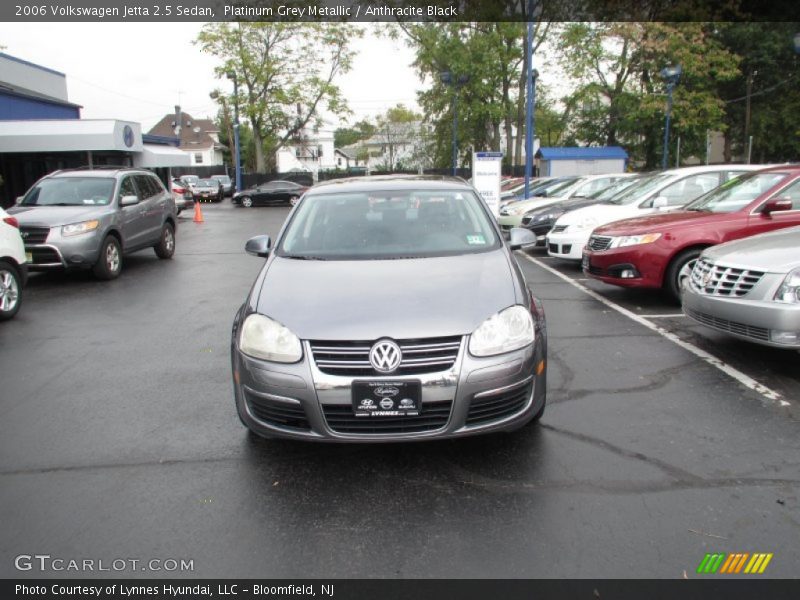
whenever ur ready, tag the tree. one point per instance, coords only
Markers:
(620, 97)
(286, 73)
(398, 127)
(492, 100)
(347, 136)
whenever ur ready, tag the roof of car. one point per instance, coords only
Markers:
(97, 172)
(389, 183)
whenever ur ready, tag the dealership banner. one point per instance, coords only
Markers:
(398, 10)
(411, 589)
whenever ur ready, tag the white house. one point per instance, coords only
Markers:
(311, 150)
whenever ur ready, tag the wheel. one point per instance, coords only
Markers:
(109, 265)
(247, 201)
(10, 290)
(293, 200)
(679, 271)
(166, 243)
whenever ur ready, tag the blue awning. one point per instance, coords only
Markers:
(575, 153)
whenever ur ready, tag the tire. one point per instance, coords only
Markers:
(166, 243)
(293, 200)
(679, 270)
(10, 290)
(109, 264)
(247, 201)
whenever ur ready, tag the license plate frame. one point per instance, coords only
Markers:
(392, 399)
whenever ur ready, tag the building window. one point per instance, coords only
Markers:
(319, 151)
(198, 158)
(297, 152)
(339, 161)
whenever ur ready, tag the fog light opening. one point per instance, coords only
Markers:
(627, 274)
(785, 337)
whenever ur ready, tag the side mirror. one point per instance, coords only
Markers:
(776, 205)
(521, 238)
(258, 246)
(19, 199)
(660, 202)
(129, 200)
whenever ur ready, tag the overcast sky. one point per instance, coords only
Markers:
(139, 71)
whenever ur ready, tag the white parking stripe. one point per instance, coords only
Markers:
(742, 378)
(675, 316)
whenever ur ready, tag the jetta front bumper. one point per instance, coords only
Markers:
(476, 395)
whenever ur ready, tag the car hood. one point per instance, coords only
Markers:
(601, 213)
(661, 222)
(51, 216)
(562, 205)
(775, 252)
(522, 206)
(401, 299)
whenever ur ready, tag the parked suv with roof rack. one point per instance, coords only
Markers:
(90, 218)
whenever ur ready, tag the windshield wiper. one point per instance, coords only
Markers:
(301, 257)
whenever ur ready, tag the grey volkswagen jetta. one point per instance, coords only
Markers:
(389, 309)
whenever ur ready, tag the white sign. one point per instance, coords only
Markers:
(486, 172)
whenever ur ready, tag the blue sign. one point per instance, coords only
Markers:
(489, 155)
(127, 136)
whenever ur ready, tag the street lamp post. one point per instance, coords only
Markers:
(670, 75)
(237, 147)
(449, 79)
(530, 82)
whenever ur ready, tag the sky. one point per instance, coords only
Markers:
(139, 72)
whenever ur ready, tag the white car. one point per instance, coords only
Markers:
(13, 267)
(665, 191)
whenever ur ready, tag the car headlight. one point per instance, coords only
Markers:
(789, 290)
(634, 240)
(510, 329)
(261, 337)
(79, 228)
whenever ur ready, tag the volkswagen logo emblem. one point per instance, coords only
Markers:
(127, 136)
(385, 356)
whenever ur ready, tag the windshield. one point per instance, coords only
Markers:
(223, 178)
(640, 189)
(70, 191)
(608, 193)
(388, 225)
(207, 183)
(736, 193)
(552, 188)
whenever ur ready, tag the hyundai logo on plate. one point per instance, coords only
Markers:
(385, 356)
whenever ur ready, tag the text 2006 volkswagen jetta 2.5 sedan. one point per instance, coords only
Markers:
(389, 309)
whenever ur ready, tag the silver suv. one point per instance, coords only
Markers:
(89, 218)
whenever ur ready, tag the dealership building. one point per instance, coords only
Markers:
(41, 131)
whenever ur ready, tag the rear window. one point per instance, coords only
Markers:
(388, 225)
(738, 192)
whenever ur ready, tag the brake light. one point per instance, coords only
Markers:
(11, 221)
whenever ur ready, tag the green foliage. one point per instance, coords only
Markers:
(286, 73)
(347, 136)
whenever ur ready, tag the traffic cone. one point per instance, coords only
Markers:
(198, 214)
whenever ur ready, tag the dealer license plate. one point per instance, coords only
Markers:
(387, 398)
(585, 261)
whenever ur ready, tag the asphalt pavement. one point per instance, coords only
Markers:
(119, 440)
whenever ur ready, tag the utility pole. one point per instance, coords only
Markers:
(750, 75)
(529, 124)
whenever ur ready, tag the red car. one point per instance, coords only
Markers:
(660, 250)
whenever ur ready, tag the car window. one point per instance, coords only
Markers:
(126, 188)
(157, 185)
(790, 193)
(640, 189)
(617, 187)
(687, 189)
(145, 186)
(737, 193)
(389, 225)
(268, 186)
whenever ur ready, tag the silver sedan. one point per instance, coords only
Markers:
(750, 288)
(389, 309)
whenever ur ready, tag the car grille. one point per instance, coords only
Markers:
(34, 235)
(44, 256)
(281, 414)
(433, 416)
(599, 242)
(718, 280)
(559, 228)
(500, 406)
(427, 355)
(757, 333)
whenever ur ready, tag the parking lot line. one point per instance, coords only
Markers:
(742, 378)
(673, 316)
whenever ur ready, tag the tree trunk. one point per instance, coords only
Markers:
(261, 163)
(521, 111)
